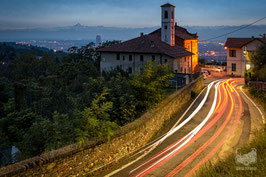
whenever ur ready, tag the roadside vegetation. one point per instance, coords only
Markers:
(230, 167)
(257, 75)
(51, 102)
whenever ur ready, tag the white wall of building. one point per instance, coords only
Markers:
(236, 60)
(109, 61)
(168, 34)
(241, 60)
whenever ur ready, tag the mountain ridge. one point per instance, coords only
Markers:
(83, 32)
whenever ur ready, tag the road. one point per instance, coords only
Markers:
(220, 120)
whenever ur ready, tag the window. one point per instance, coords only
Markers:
(166, 14)
(118, 56)
(123, 58)
(172, 14)
(129, 70)
(232, 53)
(153, 57)
(165, 27)
(165, 60)
(141, 57)
(185, 59)
(233, 67)
(130, 57)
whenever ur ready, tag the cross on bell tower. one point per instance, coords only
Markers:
(168, 24)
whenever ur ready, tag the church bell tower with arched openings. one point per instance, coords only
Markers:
(168, 24)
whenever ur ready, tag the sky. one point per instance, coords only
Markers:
(17, 14)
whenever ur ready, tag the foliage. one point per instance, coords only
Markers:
(95, 121)
(258, 59)
(258, 95)
(109, 43)
(228, 167)
(46, 104)
(123, 98)
(148, 84)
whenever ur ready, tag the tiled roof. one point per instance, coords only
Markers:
(147, 44)
(179, 32)
(240, 42)
(167, 5)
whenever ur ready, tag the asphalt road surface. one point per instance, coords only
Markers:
(221, 119)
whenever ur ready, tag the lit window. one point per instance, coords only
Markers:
(248, 66)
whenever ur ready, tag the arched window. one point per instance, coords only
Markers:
(165, 14)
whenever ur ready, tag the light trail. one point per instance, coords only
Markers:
(173, 130)
(194, 131)
(222, 141)
(199, 150)
(179, 141)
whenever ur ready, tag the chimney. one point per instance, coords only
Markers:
(141, 34)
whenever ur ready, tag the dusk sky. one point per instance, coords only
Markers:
(127, 13)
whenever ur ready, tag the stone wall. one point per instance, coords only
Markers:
(76, 160)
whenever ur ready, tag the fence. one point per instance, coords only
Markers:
(260, 85)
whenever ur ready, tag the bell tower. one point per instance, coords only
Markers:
(168, 24)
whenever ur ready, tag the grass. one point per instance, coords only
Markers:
(229, 167)
(258, 95)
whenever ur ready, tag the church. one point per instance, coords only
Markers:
(169, 44)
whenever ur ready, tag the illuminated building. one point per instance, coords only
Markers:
(238, 54)
(169, 44)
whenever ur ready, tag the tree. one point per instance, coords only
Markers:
(26, 66)
(258, 59)
(123, 99)
(148, 84)
(109, 43)
(95, 120)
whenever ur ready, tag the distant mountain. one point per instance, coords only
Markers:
(207, 32)
(81, 32)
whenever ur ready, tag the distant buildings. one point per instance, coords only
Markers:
(98, 40)
(170, 43)
(238, 54)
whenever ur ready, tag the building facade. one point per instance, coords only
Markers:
(169, 44)
(239, 51)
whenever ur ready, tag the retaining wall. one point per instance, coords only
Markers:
(80, 161)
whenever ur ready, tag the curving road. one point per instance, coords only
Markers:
(221, 119)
